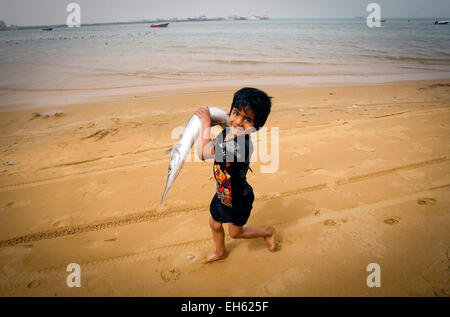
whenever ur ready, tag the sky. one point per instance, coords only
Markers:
(49, 12)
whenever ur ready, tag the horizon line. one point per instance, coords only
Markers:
(212, 19)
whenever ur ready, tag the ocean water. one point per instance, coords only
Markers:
(39, 67)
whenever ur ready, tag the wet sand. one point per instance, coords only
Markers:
(363, 177)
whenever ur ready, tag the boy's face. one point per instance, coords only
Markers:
(241, 120)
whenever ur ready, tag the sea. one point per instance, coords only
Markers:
(72, 65)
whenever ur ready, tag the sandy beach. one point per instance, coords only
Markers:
(363, 177)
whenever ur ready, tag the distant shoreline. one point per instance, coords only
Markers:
(10, 28)
(117, 23)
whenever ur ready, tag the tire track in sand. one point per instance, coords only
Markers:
(354, 179)
(177, 248)
(155, 215)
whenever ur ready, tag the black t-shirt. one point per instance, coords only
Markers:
(231, 163)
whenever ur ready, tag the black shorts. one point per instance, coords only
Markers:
(237, 216)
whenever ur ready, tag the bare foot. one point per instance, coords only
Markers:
(214, 256)
(270, 240)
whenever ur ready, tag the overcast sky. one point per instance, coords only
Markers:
(46, 12)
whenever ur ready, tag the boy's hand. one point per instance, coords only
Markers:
(203, 114)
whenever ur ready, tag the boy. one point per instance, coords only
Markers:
(231, 151)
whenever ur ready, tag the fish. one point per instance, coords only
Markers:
(187, 139)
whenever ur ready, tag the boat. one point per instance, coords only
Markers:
(441, 22)
(164, 25)
(47, 29)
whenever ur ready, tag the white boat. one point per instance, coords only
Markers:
(257, 17)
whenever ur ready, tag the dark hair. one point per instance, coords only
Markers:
(257, 100)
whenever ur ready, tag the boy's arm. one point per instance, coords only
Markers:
(205, 146)
(207, 152)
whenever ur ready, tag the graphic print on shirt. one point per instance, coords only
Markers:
(223, 182)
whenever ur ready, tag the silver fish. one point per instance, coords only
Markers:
(187, 139)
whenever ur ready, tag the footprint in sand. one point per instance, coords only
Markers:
(46, 115)
(170, 275)
(7, 205)
(426, 201)
(58, 223)
(33, 284)
(135, 124)
(278, 244)
(90, 125)
(391, 221)
(100, 134)
(329, 223)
